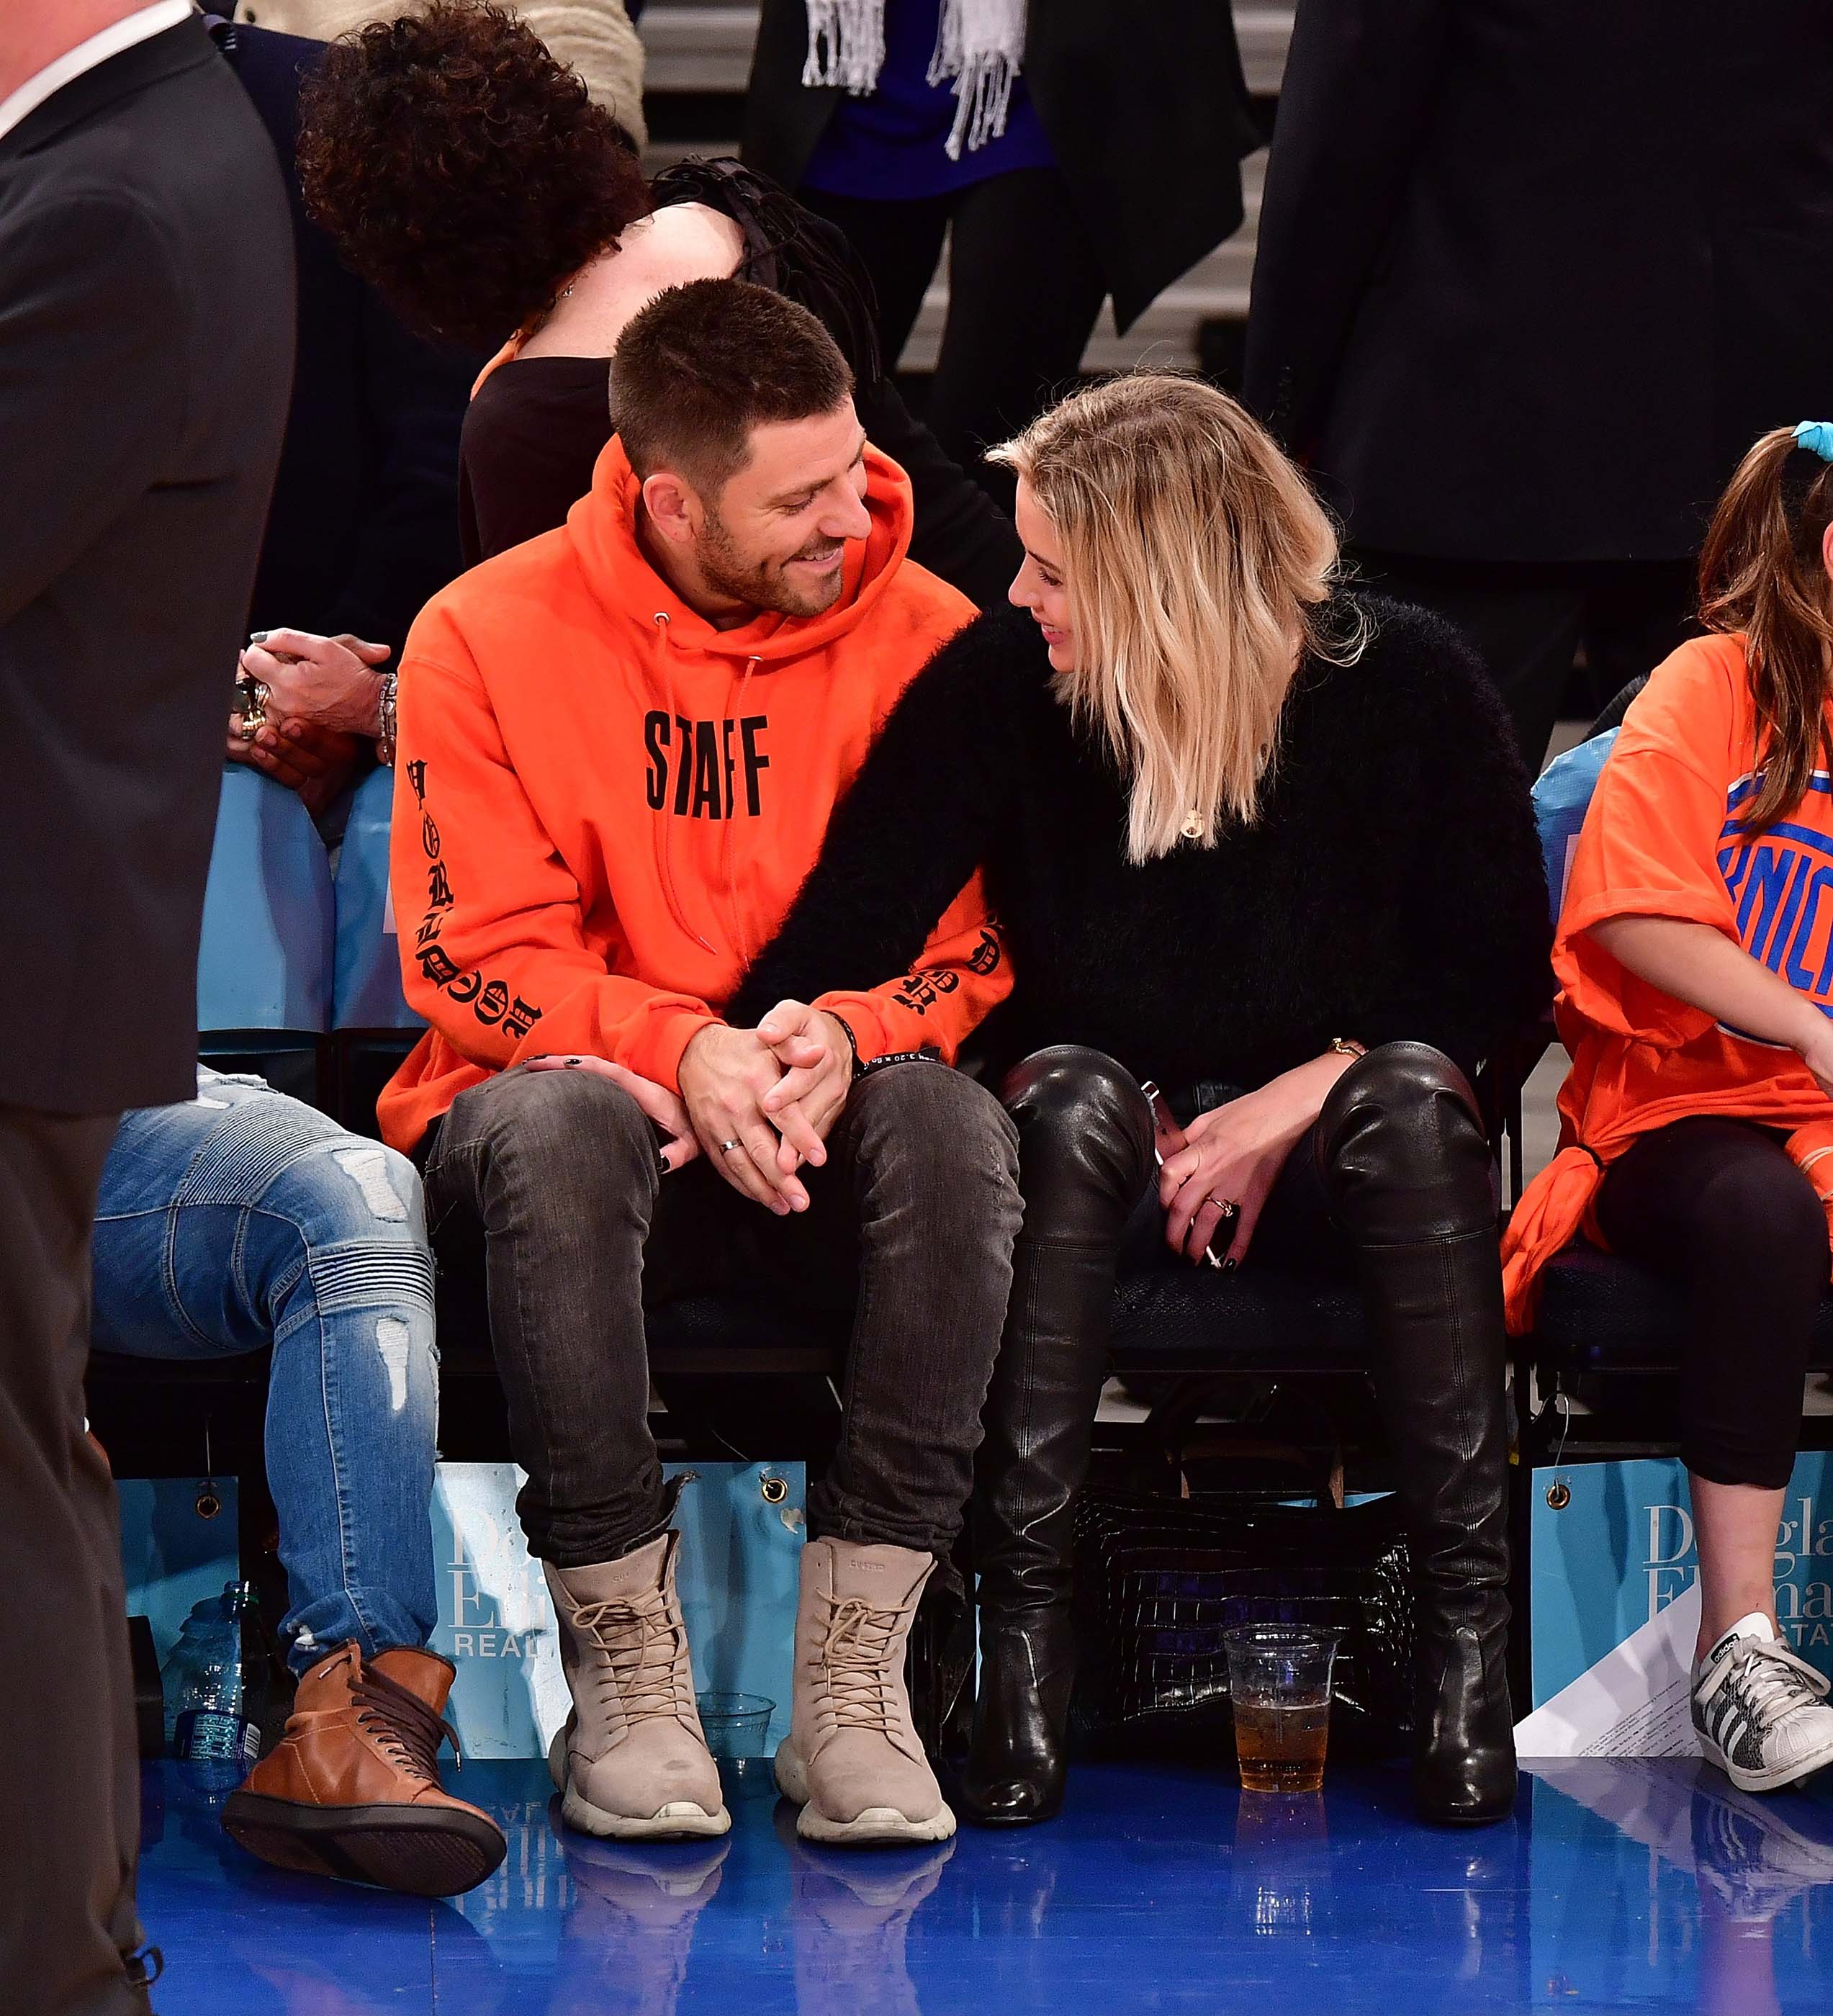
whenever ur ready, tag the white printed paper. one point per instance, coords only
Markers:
(1635, 1702)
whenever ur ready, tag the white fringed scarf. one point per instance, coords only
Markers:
(981, 45)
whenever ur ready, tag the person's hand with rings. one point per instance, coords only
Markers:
(725, 1074)
(657, 1102)
(324, 682)
(315, 762)
(1213, 1191)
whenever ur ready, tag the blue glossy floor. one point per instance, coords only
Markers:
(1635, 1886)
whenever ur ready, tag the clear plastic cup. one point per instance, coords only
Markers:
(737, 1729)
(1279, 1677)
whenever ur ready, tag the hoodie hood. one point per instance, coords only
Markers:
(602, 527)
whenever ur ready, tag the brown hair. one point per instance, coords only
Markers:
(464, 172)
(1761, 573)
(1198, 564)
(701, 366)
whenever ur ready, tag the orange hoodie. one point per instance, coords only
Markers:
(1664, 837)
(604, 806)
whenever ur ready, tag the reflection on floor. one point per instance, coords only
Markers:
(1645, 1886)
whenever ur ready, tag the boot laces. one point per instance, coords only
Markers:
(858, 1658)
(409, 1731)
(640, 1644)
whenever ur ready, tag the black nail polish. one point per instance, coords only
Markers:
(1229, 1266)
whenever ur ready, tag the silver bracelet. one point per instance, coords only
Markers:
(385, 743)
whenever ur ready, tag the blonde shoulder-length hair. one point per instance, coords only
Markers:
(1197, 562)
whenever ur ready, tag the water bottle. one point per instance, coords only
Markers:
(212, 1722)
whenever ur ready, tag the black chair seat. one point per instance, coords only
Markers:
(118, 1368)
(1180, 1319)
(1601, 1314)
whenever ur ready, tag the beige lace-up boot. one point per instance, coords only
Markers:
(852, 1759)
(630, 1762)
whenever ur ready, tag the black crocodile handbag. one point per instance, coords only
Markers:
(1161, 1575)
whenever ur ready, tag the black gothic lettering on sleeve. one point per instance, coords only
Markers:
(520, 1019)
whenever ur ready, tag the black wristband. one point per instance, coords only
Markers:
(852, 1041)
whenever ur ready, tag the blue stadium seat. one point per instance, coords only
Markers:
(1560, 799)
(367, 991)
(265, 959)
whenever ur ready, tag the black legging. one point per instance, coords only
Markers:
(1718, 1206)
(1024, 292)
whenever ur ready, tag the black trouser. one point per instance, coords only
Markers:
(1718, 1206)
(1527, 620)
(910, 1231)
(1024, 289)
(67, 1692)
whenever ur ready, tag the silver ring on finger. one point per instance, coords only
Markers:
(1226, 1206)
(730, 1147)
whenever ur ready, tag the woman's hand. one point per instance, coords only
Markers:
(326, 682)
(658, 1103)
(1816, 1054)
(1235, 1154)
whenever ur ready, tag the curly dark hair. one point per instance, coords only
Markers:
(463, 171)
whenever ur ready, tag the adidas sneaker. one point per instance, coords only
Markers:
(1760, 1710)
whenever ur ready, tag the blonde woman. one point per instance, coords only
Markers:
(1269, 845)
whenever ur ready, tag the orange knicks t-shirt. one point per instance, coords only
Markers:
(1664, 838)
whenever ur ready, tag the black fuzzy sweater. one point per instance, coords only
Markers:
(1392, 888)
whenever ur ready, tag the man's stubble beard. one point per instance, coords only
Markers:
(762, 586)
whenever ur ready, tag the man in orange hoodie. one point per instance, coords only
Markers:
(620, 745)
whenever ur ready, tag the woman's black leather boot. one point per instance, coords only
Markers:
(1403, 1157)
(1085, 1136)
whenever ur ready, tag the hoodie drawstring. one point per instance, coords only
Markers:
(665, 853)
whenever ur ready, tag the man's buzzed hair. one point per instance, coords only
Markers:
(702, 364)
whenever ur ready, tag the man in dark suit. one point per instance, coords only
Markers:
(1530, 280)
(146, 353)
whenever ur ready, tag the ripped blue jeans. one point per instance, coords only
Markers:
(245, 1219)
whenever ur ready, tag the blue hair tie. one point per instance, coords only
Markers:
(1816, 435)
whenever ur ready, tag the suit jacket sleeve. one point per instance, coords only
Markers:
(1359, 87)
(94, 329)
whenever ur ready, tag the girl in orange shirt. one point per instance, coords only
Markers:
(1695, 959)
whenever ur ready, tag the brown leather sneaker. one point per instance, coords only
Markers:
(352, 1789)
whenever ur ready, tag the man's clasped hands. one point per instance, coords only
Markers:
(757, 1103)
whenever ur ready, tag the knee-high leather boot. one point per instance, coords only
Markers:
(1403, 1157)
(1084, 1155)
